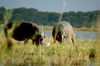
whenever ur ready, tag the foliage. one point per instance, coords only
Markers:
(77, 19)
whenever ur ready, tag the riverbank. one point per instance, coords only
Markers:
(55, 54)
(49, 28)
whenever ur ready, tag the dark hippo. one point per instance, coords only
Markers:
(23, 31)
(63, 30)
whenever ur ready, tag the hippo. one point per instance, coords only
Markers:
(63, 31)
(23, 31)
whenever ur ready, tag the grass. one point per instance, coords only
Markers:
(1, 26)
(53, 55)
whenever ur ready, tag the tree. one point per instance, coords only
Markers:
(77, 19)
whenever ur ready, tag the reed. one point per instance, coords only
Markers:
(29, 54)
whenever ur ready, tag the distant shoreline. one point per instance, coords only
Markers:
(49, 28)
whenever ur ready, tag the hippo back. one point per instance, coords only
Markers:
(66, 29)
(21, 30)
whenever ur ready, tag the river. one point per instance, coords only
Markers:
(78, 34)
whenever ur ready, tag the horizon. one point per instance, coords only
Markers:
(50, 11)
(53, 5)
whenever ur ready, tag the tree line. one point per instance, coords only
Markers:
(76, 19)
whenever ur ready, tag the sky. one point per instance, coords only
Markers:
(53, 5)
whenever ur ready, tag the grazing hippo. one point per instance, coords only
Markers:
(63, 30)
(23, 31)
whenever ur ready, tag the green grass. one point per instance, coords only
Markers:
(1, 26)
(55, 54)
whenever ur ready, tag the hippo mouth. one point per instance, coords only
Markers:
(59, 38)
(37, 42)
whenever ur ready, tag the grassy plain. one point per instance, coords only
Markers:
(53, 55)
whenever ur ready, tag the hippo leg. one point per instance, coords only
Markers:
(73, 39)
(9, 42)
(26, 40)
(70, 40)
(33, 41)
(64, 40)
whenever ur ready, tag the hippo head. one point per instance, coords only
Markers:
(39, 39)
(59, 37)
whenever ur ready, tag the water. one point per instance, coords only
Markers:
(86, 34)
(78, 34)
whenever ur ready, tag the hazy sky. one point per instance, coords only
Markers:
(53, 5)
